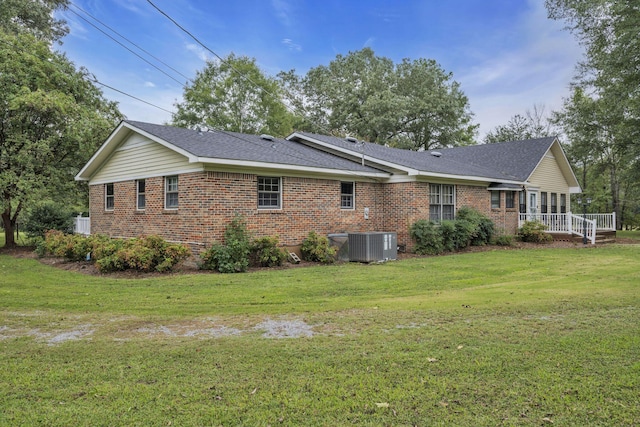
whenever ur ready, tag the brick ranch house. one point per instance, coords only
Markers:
(187, 185)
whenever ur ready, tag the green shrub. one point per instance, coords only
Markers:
(504, 240)
(233, 256)
(464, 232)
(534, 232)
(427, 237)
(447, 231)
(316, 248)
(149, 253)
(483, 227)
(48, 216)
(266, 253)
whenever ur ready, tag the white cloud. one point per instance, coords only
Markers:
(198, 50)
(538, 71)
(291, 45)
(149, 84)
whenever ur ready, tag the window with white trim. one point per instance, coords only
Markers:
(269, 192)
(554, 203)
(347, 193)
(563, 203)
(109, 197)
(543, 203)
(495, 199)
(171, 192)
(140, 194)
(510, 199)
(441, 202)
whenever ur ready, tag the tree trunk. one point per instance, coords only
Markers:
(9, 236)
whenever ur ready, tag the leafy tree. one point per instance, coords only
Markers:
(51, 119)
(414, 104)
(603, 114)
(234, 95)
(534, 124)
(34, 17)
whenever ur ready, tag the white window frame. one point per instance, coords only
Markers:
(140, 194)
(495, 204)
(437, 197)
(171, 188)
(109, 197)
(348, 200)
(265, 187)
(510, 195)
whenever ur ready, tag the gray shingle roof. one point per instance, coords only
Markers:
(506, 161)
(237, 146)
(513, 160)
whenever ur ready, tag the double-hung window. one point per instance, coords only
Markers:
(441, 202)
(269, 192)
(109, 197)
(495, 199)
(171, 192)
(140, 194)
(563, 203)
(510, 199)
(347, 195)
(543, 203)
(554, 203)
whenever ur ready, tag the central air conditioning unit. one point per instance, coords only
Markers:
(373, 246)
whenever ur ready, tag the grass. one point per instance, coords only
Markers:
(629, 234)
(506, 337)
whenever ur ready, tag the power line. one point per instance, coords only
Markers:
(93, 80)
(129, 41)
(125, 47)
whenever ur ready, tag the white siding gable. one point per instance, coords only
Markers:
(139, 157)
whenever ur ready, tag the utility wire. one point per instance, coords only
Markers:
(129, 41)
(241, 75)
(93, 79)
(121, 44)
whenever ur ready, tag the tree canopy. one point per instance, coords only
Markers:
(534, 124)
(234, 95)
(602, 116)
(33, 17)
(51, 119)
(414, 104)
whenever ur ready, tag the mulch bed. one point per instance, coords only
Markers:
(190, 266)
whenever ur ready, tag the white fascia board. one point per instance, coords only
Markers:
(575, 190)
(103, 152)
(115, 138)
(286, 167)
(354, 153)
(469, 178)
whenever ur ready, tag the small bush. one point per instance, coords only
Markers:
(233, 256)
(316, 248)
(427, 237)
(465, 232)
(504, 240)
(534, 232)
(48, 216)
(447, 231)
(483, 227)
(266, 253)
(149, 253)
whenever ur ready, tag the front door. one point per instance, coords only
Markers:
(532, 206)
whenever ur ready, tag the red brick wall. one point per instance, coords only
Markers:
(208, 201)
(505, 220)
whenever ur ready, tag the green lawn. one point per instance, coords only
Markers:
(506, 337)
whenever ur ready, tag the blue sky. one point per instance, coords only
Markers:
(506, 54)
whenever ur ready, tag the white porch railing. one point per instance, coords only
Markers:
(82, 225)
(573, 224)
